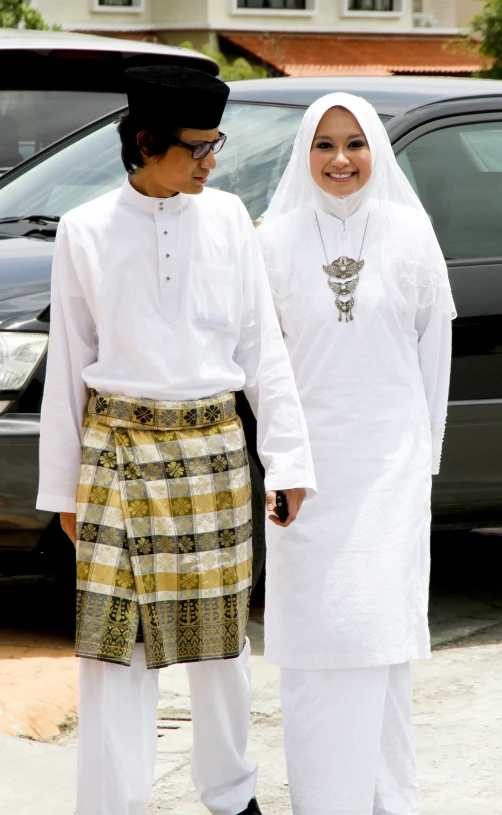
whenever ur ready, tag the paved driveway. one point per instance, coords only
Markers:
(458, 701)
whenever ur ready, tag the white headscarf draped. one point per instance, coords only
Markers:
(388, 189)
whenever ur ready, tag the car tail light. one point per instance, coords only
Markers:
(20, 354)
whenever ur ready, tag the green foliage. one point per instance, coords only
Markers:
(488, 24)
(238, 68)
(16, 14)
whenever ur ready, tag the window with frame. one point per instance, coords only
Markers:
(372, 5)
(457, 174)
(117, 5)
(281, 5)
(124, 6)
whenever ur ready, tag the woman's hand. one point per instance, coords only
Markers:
(69, 525)
(294, 498)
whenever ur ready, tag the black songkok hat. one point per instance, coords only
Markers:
(185, 97)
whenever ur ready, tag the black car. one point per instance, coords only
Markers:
(447, 135)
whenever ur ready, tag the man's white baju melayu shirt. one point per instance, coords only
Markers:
(164, 299)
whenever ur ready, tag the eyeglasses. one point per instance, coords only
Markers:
(202, 150)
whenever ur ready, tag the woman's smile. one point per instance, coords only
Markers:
(340, 177)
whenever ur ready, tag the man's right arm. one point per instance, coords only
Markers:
(72, 347)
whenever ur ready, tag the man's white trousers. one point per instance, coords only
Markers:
(118, 735)
(348, 736)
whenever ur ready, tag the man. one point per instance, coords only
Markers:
(160, 310)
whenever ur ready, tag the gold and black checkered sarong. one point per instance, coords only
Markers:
(164, 530)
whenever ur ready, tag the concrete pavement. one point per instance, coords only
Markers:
(457, 711)
(458, 726)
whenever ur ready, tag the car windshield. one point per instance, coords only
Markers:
(32, 119)
(260, 138)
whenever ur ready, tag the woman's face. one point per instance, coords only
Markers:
(340, 158)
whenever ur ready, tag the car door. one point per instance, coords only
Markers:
(452, 155)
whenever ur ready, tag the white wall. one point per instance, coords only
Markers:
(450, 13)
(466, 9)
(180, 12)
(76, 12)
(328, 15)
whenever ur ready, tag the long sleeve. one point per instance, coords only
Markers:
(283, 442)
(435, 311)
(433, 324)
(72, 347)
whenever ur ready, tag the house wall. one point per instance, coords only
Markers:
(178, 20)
(169, 15)
(450, 13)
(328, 15)
(79, 12)
(466, 9)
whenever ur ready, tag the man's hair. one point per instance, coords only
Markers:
(156, 138)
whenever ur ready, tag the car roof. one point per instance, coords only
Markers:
(390, 95)
(44, 42)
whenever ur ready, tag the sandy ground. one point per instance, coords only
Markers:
(458, 702)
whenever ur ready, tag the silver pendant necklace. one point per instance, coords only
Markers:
(346, 270)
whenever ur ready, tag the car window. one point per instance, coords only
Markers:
(457, 173)
(79, 172)
(31, 120)
(260, 138)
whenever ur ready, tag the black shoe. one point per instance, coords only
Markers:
(252, 808)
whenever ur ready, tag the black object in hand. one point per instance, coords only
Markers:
(281, 506)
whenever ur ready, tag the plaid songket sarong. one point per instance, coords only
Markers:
(164, 530)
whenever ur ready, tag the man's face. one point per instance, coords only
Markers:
(177, 171)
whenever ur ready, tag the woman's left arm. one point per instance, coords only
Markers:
(435, 312)
(434, 353)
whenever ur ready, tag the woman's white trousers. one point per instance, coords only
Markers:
(348, 736)
(118, 735)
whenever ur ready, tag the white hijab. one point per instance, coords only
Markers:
(388, 189)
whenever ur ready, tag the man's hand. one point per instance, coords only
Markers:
(69, 525)
(294, 498)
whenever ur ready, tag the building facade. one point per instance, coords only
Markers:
(293, 37)
(176, 19)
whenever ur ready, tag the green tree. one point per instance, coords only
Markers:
(238, 68)
(17, 14)
(488, 24)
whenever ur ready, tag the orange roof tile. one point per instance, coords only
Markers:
(374, 55)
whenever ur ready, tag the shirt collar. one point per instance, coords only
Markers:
(147, 204)
(355, 221)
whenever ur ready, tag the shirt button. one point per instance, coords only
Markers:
(167, 255)
(168, 278)
(161, 206)
(165, 233)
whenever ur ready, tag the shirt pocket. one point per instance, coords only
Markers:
(215, 293)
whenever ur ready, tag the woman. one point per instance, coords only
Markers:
(362, 293)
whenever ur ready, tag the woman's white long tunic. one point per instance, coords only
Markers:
(347, 583)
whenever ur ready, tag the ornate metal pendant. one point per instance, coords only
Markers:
(344, 268)
(345, 307)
